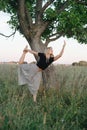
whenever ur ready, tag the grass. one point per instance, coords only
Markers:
(61, 107)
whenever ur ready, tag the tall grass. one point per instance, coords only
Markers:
(61, 107)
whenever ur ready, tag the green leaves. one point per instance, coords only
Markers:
(50, 14)
(72, 22)
(68, 18)
(2, 5)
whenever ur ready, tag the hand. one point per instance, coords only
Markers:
(25, 49)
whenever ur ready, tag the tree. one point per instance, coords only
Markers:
(47, 20)
(43, 21)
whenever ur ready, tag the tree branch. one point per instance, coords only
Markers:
(55, 37)
(46, 5)
(8, 35)
(63, 6)
(38, 15)
(22, 18)
(40, 29)
(28, 17)
(81, 2)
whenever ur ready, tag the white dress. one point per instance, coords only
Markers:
(30, 75)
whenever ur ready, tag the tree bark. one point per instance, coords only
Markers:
(49, 77)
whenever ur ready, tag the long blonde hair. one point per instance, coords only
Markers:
(46, 51)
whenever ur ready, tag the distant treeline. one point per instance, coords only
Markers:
(80, 63)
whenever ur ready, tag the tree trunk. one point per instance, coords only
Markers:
(49, 77)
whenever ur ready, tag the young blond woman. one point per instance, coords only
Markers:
(31, 73)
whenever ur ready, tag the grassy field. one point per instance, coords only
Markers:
(61, 107)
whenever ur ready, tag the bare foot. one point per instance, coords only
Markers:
(25, 49)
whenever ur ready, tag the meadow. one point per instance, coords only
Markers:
(60, 107)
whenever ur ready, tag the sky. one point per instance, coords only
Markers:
(11, 48)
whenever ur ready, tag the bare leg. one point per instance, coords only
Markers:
(34, 97)
(21, 60)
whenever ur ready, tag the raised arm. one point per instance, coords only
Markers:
(26, 50)
(61, 52)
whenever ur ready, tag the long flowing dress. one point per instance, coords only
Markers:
(30, 75)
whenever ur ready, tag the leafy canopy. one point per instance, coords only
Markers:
(64, 17)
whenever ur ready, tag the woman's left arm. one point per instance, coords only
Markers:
(61, 52)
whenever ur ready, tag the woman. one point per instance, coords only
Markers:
(31, 74)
